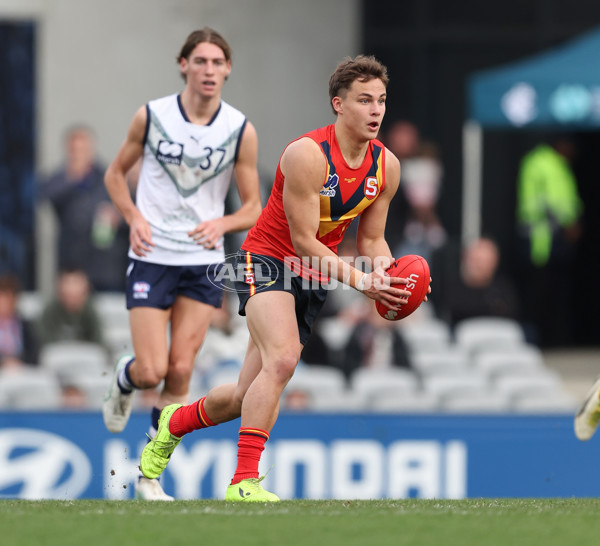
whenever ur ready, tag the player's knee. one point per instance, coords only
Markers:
(285, 364)
(149, 379)
(180, 371)
(146, 373)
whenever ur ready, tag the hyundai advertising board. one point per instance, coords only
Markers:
(319, 456)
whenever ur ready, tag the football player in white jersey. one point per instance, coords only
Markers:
(190, 144)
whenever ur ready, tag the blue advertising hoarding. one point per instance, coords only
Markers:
(319, 456)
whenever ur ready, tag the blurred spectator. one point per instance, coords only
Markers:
(413, 223)
(374, 343)
(73, 397)
(479, 289)
(296, 399)
(92, 235)
(71, 316)
(549, 211)
(19, 344)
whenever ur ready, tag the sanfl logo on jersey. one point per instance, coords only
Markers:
(371, 187)
(169, 152)
(329, 186)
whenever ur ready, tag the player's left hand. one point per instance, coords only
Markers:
(208, 234)
(388, 290)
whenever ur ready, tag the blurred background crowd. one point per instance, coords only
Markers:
(502, 299)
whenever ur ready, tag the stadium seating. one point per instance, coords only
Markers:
(484, 366)
(228, 374)
(544, 403)
(438, 360)
(514, 359)
(93, 388)
(428, 334)
(463, 383)
(476, 402)
(118, 339)
(339, 402)
(112, 310)
(68, 359)
(373, 383)
(406, 402)
(479, 333)
(30, 389)
(316, 379)
(537, 383)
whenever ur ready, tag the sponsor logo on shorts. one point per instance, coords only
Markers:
(169, 152)
(141, 290)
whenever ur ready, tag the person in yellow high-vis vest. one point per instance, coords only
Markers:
(549, 211)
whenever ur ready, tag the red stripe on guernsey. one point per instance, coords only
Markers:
(189, 418)
(250, 446)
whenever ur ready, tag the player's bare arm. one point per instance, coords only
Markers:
(246, 176)
(304, 167)
(371, 240)
(140, 235)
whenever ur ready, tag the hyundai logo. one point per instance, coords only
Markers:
(35, 464)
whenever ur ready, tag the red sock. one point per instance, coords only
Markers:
(188, 418)
(250, 446)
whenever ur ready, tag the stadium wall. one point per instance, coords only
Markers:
(97, 62)
(69, 455)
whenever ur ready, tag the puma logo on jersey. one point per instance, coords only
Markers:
(350, 180)
(169, 152)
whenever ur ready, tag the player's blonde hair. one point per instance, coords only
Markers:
(363, 68)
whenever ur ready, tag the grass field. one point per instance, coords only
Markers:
(480, 522)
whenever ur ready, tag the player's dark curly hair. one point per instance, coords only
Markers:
(363, 68)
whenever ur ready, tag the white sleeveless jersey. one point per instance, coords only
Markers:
(186, 173)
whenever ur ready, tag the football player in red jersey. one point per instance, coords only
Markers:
(324, 180)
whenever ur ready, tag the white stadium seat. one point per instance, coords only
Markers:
(448, 360)
(427, 334)
(521, 358)
(30, 389)
(72, 358)
(479, 333)
(406, 402)
(376, 382)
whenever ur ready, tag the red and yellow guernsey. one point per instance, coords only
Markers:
(345, 194)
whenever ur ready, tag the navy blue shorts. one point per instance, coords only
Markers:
(265, 274)
(157, 285)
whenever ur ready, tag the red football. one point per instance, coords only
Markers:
(416, 270)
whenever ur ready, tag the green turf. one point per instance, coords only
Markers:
(481, 522)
